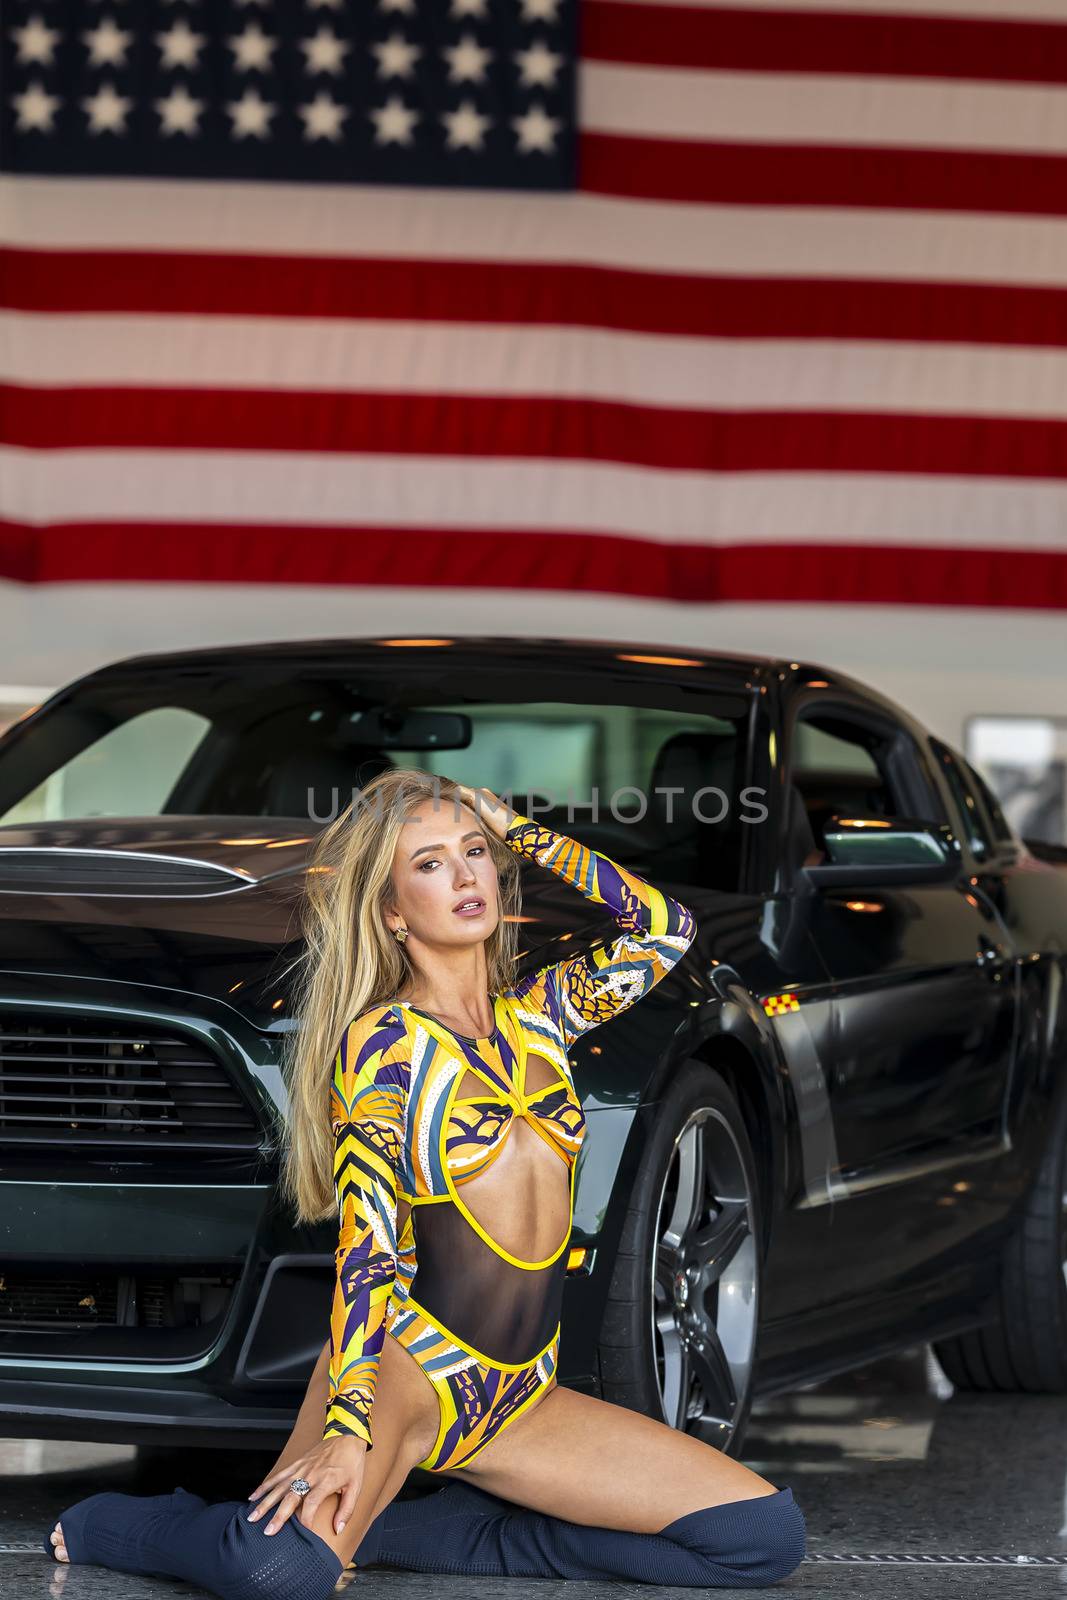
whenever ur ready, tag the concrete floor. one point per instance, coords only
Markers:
(908, 1488)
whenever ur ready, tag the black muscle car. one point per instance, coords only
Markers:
(837, 1128)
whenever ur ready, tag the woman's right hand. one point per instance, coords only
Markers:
(489, 807)
(334, 1467)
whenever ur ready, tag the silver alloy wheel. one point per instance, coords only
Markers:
(704, 1311)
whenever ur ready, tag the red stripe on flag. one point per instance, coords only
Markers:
(870, 176)
(727, 38)
(536, 428)
(180, 552)
(536, 295)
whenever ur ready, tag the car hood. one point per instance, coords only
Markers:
(206, 905)
(124, 848)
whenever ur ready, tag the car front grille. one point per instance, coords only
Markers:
(67, 1082)
(67, 1302)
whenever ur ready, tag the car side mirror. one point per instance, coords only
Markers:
(870, 849)
(886, 841)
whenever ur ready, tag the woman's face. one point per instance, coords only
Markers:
(445, 885)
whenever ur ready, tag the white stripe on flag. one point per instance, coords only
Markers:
(823, 108)
(329, 220)
(330, 490)
(311, 355)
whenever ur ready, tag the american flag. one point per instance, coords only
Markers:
(701, 302)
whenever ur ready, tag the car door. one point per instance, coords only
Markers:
(923, 983)
(990, 852)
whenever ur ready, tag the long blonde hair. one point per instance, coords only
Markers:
(351, 961)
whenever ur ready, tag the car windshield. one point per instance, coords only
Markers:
(298, 746)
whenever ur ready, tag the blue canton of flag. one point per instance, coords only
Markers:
(477, 93)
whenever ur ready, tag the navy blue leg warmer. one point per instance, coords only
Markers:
(742, 1544)
(459, 1529)
(180, 1536)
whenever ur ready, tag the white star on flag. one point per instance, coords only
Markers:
(396, 56)
(36, 108)
(538, 65)
(536, 129)
(107, 44)
(179, 111)
(107, 110)
(467, 60)
(323, 117)
(394, 122)
(539, 10)
(324, 51)
(468, 8)
(466, 127)
(251, 115)
(35, 41)
(253, 48)
(180, 46)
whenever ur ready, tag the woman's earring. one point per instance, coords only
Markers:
(400, 934)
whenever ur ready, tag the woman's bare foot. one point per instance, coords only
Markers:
(56, 1541)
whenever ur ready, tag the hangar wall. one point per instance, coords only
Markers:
(943, 663)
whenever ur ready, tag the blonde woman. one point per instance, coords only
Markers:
(434, 1112)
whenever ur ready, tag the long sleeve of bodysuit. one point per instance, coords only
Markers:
(371, 1080)
(593, 986)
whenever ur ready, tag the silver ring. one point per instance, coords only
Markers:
(300, 1486)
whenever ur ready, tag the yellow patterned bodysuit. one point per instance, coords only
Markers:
(420, 1113)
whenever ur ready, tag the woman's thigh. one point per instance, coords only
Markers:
(404, 1427)
(593, 1462)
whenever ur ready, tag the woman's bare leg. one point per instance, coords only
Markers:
(593, 1462)
(580, 1488)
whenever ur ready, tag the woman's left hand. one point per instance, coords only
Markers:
(488, 807)
(335, 1466)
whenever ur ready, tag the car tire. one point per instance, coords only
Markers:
(1025, 1350)
(672, 1343)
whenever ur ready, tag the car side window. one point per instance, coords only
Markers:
(843, 764)
(977, 828)
(1001, 826)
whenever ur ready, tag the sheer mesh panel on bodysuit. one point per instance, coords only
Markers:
(504, 1312)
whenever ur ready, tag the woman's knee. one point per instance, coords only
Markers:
(741, 1543)
(292, 1564)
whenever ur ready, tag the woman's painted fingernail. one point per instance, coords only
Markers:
(270, 1527)
(340, 1527)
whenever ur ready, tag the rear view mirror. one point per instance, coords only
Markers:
(395, 728)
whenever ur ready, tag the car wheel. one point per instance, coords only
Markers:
(678, 1340)
(1026, 1349)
